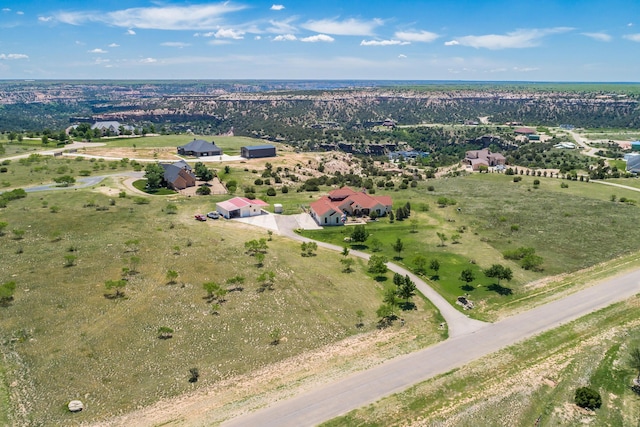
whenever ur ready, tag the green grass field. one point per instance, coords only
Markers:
(570, 228)
(62, 339)
(230, 144)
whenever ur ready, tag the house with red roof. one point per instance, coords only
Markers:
(240, 207)
(334, 208)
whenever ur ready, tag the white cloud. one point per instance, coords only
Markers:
(13, 56)
(633, 37)
(630, 24)
(45, 18)
(525, 69)
(114, 45)
(19, 12)
(318, 38)
(218, 42)
(348, 27)
(281, 27)
(130, 32)
(285, 37)
(229, 33)
(257, 38)
(514, 40)
(97, 50)
(6, 9)
(416, 36)
(383, 43)
(175, 44)
(100, 61)
(148, 60)
(402, 56)
(195, 17)
(452, 43)
(602, 37)
(277, 7)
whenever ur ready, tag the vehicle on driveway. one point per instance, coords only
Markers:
(200, 217)
(213, 215)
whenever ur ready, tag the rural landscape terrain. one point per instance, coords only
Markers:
(117, 290)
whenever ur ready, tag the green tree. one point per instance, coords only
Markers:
(308, 248)
(7, 290)
(65, 180)
(70, 260)
(414, 225)
(407, 289)
(347, 264)
(203, 190)
(359, 234)
(377, 264)
(633, 361)
(134, 262)
(164, 332)
(266, 280)
(3, 226)
(588, 398)
(376, 245)
(215, 292)
(172, 275)
(360, 318)
(434, 265)
(386, 314)
(499, 272)
(276, 336)
(202, 172)
(467, 275)
(154, 173)
(421, 264)
(116, 285)
(345, 250)
(442, 237)
(236, 282)
(398, 246)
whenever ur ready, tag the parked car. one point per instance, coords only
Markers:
(213, 215)
(200, 217)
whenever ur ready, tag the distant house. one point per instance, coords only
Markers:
(179, 175)
(566, 145)
(633, 164)
(524, 131)
(413, 154)
(389, 123)
(112, 127)
(635, 145)
(477, 158)
(333, 208)
(200, 148)
(240, 207)
(258, 151)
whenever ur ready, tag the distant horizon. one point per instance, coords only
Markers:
(373, 40)
(318, 80)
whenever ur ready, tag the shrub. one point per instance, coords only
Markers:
(588, 398)
(258, 181)
(3, 169)
(203, 190)
(271, 191)
(536, 182)
(285, 189)
(517, 178)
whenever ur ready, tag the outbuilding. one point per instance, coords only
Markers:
(200, 148)
(258, 151)
(240, 207)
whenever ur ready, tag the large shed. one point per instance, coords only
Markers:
(258, 151)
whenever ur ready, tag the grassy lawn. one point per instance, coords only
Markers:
(533, 380)
(570, 228)
(15, 148)
(62, 339)
(38, 169)
(230, 144)
(141, 185)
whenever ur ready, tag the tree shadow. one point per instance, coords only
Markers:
(467, 287)
(499, 289)
(6, 301)
(435, 277)
(380, 279)
(359, 247)
(398, 258)
(385, 322)
(408, 305)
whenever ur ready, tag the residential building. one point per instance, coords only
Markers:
(200, 148)
(484, 157)
(178, 175)
(334, 208)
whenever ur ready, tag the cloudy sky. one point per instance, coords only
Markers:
(541, 40)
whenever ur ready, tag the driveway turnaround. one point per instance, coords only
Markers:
(333, 399)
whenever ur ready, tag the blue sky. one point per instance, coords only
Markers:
(321, 39)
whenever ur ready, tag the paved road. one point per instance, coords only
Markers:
(587, 149)
(357, 390)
